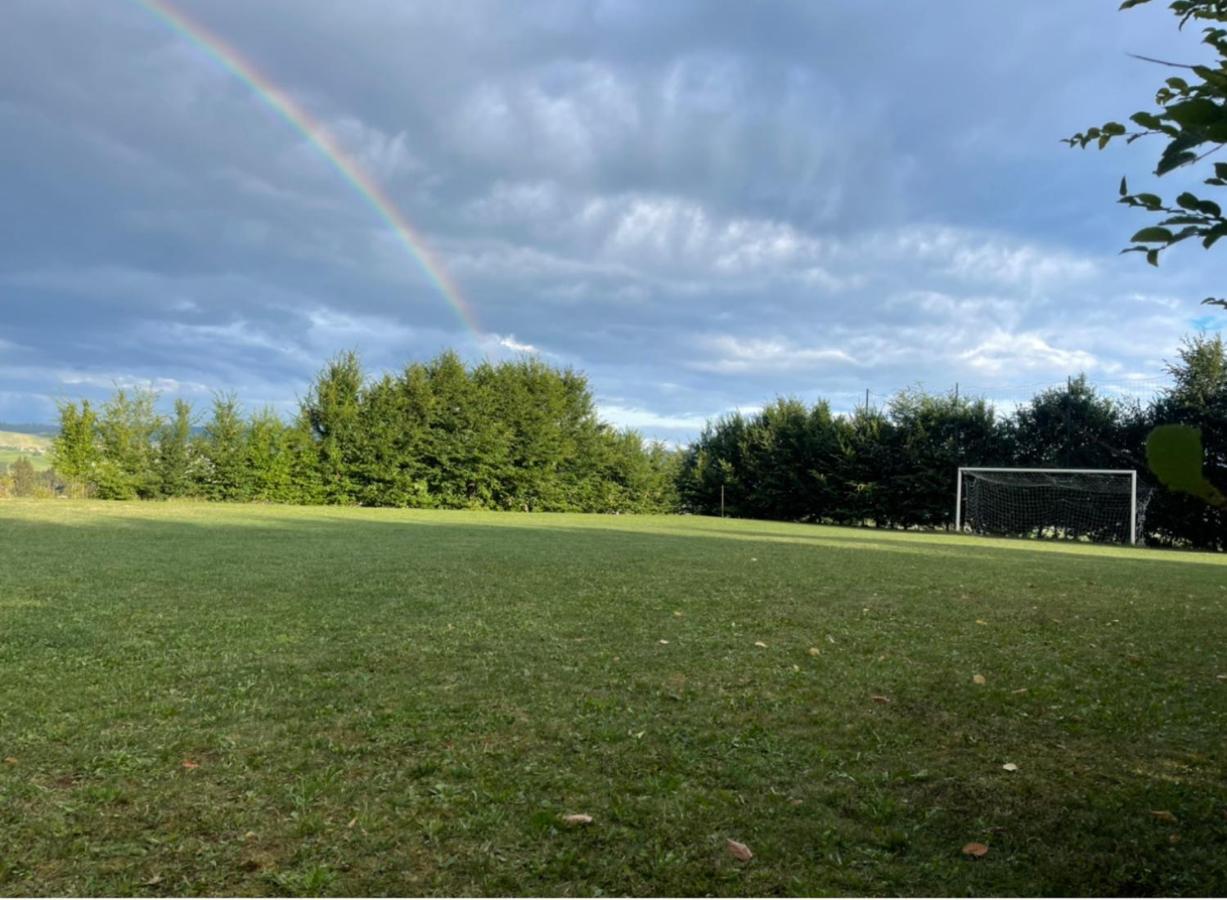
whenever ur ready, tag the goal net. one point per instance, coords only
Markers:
(1079, 504)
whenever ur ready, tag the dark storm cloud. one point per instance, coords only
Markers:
(701, 205)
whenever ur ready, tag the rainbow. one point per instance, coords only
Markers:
(319, 136)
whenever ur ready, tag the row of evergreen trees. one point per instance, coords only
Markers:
(524, 436)
(514, 435)
(895, 467)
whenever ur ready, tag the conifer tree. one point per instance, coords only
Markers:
(176, 453)
(75, 453)
(127, 429)
(222, 448)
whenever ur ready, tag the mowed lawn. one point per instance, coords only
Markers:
(250, 700)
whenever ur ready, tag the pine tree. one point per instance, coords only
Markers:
(176, 453)
(331, 412)
(268, 460)
(75, 453)
(224, 474)
(126, 430)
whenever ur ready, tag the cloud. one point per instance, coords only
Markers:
(631, 417)
(1005, 352)
(728, 354)
(509, 342)
(696, 210)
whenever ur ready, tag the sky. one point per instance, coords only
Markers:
(701, 205)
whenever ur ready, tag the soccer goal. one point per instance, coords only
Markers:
(1079, 504)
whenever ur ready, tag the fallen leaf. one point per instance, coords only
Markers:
(10, 760)
(814, 651)
(352, 822)
(878, 698)
(753, 559)
(663, 641)
(190, 764)
(156, 879)
(1221, 677)
(678, 613)
(1164, 815)
(979, 679)
(975, 850)
(796, 801)
(760, 644)
(1010, 767)
(1019, 691)
(578, 819)
(249, 835)
(981, 622)
(1174, 838)
(739, 850)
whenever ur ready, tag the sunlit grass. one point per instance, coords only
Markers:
(213, 699)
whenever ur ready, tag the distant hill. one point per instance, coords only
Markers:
(25, 442)
(16, 444)
(44, 430)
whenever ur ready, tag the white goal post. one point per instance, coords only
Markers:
(1087, 503)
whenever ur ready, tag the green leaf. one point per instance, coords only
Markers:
(1147, 120)
(1152, 257)
(1215, 77)
(1195, 113)
(1124, 188)
(1175, 160)
(1174, 453)
(1152, 235)
(1187, 201)
(1210, 208)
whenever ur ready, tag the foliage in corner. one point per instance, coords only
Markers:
(1174, 453)
(1191, 113)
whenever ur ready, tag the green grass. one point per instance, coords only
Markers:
(379, 701)
(39, 461)
(34, 447)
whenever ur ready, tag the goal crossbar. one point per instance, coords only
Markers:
(1133, 488)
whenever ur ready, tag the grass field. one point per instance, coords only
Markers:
(236, 700)
(34, 447)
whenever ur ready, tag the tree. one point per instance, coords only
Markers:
(1191, 114)
(176, 453)
(222, 450)
(268, 459)
(75, 454)
(932, 436)
(25, 482)
(1073, 428)
(126, 431)
(1197, 404)
(331, 412)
